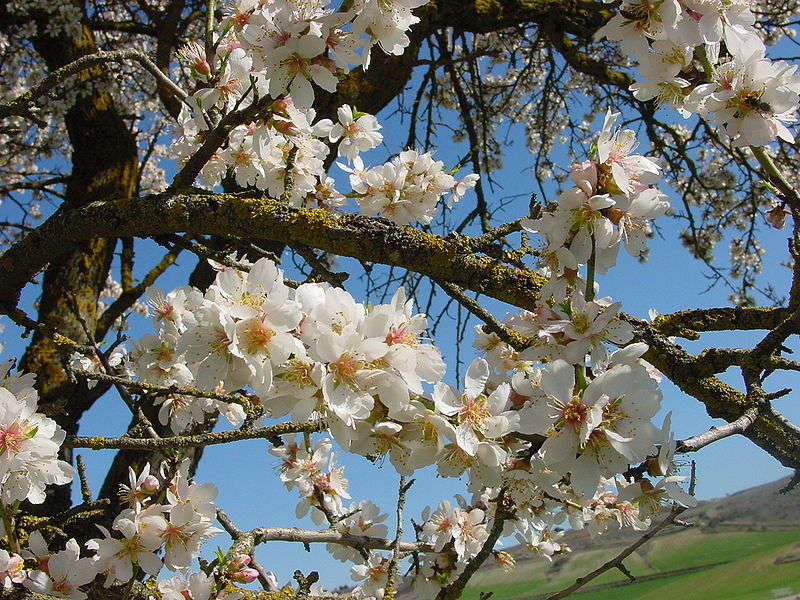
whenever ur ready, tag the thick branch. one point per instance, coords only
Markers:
(373, 240)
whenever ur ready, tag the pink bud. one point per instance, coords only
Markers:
(150, 485)
(239, 562)
(245, 575)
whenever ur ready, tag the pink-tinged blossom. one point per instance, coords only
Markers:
(12, 569)
(65, 573)
(29, 444)
(197, 586)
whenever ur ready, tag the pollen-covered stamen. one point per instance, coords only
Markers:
(574, 413)
(165, 352)
(242, 157)
(376, 572)
(612, 413)
(130, 547)
(241, 19)
(455, 456)
(400, 335)
(258, 337)
(297, 372)
(220, 342)
(474, 411)
(580, 323)
(12, 437)
(295, 64)
(63, 588)
(596, 441)
(175, 535)
(585, 215)
(163, 310)
(345, 367)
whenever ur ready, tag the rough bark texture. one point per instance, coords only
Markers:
(104, 165)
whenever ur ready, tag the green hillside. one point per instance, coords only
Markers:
(749, 571)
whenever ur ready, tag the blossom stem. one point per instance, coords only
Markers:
(10, 527)
(580, 378)
(590, 272)
(210, 47)
(702, 56)
(774, 174)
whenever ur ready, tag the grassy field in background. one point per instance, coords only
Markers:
(750, 575)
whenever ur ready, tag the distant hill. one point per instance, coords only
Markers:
(761, 504)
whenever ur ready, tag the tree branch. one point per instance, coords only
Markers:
(192, 441)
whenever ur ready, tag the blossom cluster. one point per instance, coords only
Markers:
(164, 525)
(548, 430)
(274, 51)
(706, 57)
(544, 433)
(286, 157)
(29, 443)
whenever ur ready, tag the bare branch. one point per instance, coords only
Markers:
(193, 441)
(23, 104)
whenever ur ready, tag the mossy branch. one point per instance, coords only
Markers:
(192, 441)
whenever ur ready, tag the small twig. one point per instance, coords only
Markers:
(22, 105)
(319, 267)
(86, 492)
(148, 388)
(192, 441)
(701, 440)
(391, 571)
(617, 560)
(453, 590)
(792, 483)
(206, 252)
(624, 570)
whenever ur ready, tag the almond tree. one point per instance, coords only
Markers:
(217, 129)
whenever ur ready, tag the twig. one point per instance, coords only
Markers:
(22, 104)
(701, 440)
(127, 298)
(391, 571)
(615, 562)
(86, 492)
(192, 441)
(510, 337)
(148, 388)
(206, 252)
(304, 583)
(319, 267)
(454, 589)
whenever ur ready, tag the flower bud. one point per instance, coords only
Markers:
(239, 562)
(150, 485)
(245, 575)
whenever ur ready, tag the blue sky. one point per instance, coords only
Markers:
(671, 280)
